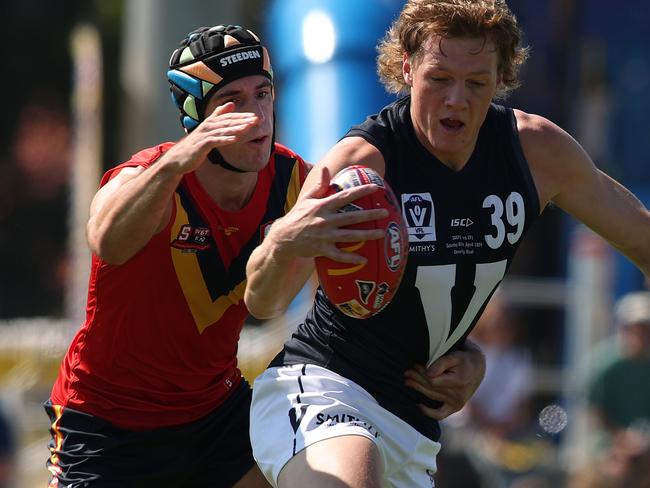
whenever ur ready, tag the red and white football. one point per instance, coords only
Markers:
(362, 290)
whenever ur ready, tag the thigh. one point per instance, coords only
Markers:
(311, 420)
(297, 407)
(348, 461)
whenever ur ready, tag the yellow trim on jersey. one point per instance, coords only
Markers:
(293, 189)
(188, 271)
(58, 437)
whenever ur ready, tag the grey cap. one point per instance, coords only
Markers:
(633, 308)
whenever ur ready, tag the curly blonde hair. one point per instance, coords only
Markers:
(419, 19)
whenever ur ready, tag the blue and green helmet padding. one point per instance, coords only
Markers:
(207, 59)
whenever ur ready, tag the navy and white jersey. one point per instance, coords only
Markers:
(463, 227)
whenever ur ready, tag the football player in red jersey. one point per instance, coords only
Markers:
(149, 393)
(471, 176)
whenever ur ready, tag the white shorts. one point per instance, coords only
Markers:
(296, 406)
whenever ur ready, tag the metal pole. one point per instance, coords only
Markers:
(86, 164)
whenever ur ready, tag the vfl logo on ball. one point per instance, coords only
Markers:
(393, 246)
(418, 213)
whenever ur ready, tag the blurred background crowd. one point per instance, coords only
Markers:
(84, 88)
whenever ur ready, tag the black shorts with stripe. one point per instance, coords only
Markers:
(215, 451)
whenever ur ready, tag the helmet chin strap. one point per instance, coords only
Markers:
(215, 157)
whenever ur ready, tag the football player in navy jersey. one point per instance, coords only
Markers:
(334, 408)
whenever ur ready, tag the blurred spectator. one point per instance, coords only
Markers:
(495, 434)
(626, 464)
(619, 402)
(618, 392)
(33, 204)
(7, 452)
(502, 402)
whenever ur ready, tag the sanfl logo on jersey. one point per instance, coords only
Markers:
(192, 239)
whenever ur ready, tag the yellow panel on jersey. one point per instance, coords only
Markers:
(293, 190)
(58, 439)
(204, 310)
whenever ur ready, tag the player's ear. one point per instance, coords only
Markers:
(500, 83)
(407, 70)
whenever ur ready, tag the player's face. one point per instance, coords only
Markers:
(452, 85)
(249, 94)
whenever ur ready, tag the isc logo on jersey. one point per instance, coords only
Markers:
(461, 222)
(418, 213)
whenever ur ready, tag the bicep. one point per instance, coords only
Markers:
(110, 190)
(109, 195)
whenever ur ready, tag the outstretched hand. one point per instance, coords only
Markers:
(314, 225)
(452, 380)
(222, 127)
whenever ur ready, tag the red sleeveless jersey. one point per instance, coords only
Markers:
(159, 343)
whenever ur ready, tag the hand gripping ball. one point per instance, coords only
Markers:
(362, 290)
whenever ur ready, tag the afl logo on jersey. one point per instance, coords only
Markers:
(419, 215)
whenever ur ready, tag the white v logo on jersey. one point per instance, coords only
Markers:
(435, 284)
(417, 214)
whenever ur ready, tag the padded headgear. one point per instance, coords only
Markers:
(209, 58)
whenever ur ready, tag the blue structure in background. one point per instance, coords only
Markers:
(323, 54)
(622, 36)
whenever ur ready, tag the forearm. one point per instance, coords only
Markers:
(125, 219)
(629, 231)
(274, 280)
(638, 251)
